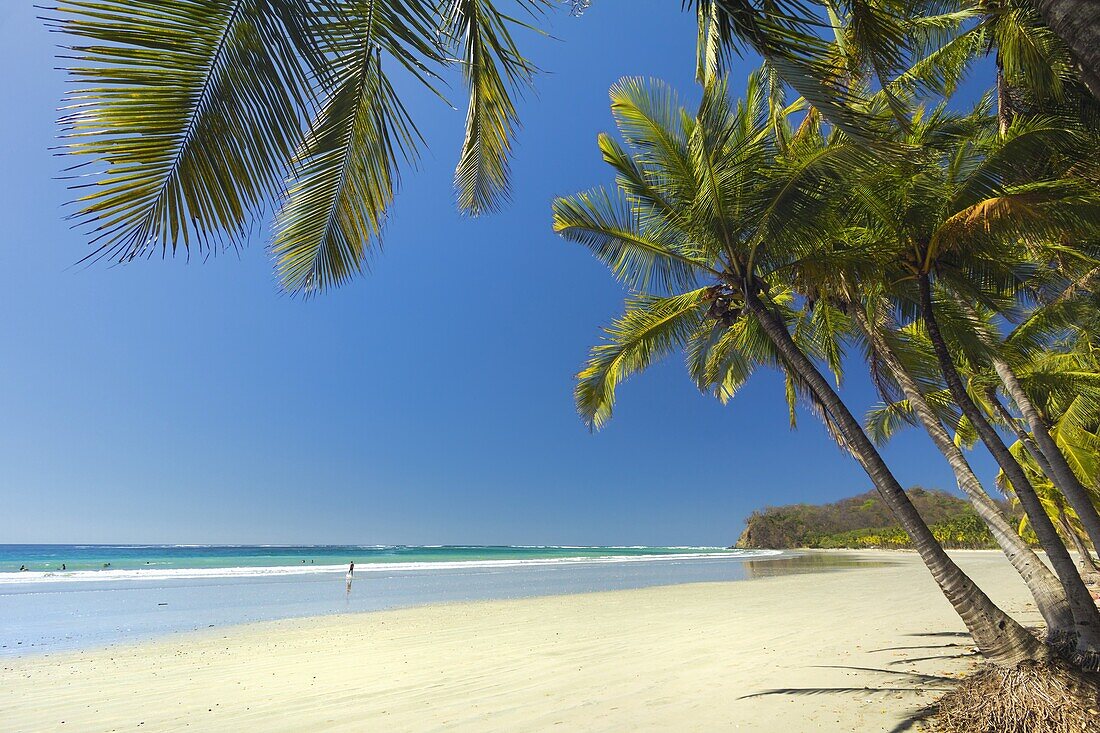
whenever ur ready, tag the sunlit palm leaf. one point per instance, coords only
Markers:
(641, 252)
(795, 37)
(494, 70)
(650, 118)
(345, 172)
(649, 329)
(187, 113)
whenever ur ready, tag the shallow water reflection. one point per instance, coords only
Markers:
(809, 562)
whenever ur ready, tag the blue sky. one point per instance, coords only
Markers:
(429, 402)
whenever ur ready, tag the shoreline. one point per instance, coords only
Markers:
(39, 617)
(251, 571)
(853, 650)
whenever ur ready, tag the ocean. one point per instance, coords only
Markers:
(111, 594)
(59, 563)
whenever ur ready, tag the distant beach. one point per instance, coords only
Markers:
(792, 650)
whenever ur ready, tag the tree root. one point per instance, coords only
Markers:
(1033, 697)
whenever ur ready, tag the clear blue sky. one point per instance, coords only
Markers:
(429, 402)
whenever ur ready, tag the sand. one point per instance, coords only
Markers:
(837, 651)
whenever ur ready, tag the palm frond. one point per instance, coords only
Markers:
(789, 36)
(186, 115)
(495, 71)
(649, 118)
(1015, 156)
(346, 169)
(641, 252)
(650, 328)
(885, 419)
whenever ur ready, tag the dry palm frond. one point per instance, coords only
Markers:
(1033, 697)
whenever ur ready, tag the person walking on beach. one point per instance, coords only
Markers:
(350, 575)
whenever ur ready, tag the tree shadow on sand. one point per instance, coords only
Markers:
(911, 683)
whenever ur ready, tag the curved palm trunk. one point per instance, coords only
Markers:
(1085, 615)
(998, 636)
(1077, 23)
(1022, 435)
(1088, 565)
(1050, 599)
(1060, 473)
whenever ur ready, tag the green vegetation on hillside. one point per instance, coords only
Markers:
(864, 521)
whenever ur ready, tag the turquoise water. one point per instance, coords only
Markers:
(152, 591)
(115, 562)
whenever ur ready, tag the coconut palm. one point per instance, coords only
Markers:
(1043, 379)
(704, 211)
(966, 214)
(1085, 447)
(1052, 458)
(1050, 598)
(1034, 74)
(1066, 384)
(1053, 501)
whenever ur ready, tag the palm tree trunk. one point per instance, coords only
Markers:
(1004, 106)
(1040, 443)
(1085, 615)
(1022, 435)
(1088, 565)
(998, 636)
(1077, 23)
(1062, 476)
(1049, 596)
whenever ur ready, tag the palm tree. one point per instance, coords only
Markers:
(1064, 379)
(1054, 503)
(1052, 460)
(968, 210)
(1035, 66)
(1067, 383)
(1049, 597)
(705, 210)
(1034, 75)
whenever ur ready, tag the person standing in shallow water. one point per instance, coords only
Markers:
(351, 574)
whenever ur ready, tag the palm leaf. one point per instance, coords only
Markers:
(187, 114)
(641, 252)
(346, 168)
(788, 35)
(494, 70)
(650, 328)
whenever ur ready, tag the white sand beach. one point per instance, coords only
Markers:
(844, 646)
